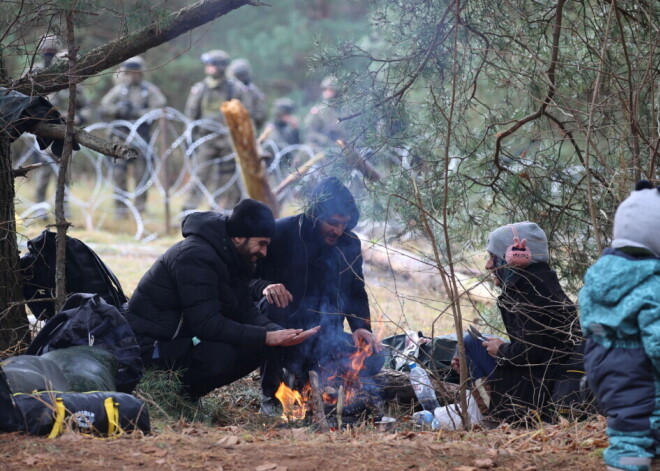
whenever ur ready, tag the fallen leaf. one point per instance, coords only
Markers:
(229, 428)
(492, 452)
(465, 468)
(191, 431)
(228, 441)
(30, 461)
(298, 432)
(484, 463)
(270, 467)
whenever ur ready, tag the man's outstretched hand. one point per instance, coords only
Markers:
(278, 295)
(289, 337)
(364, 337)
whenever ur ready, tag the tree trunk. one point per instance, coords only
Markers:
(245, 146)
(13, 321)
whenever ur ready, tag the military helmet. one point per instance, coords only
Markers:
(283, 106)
(241, 69)
(134, 64)
(216, 57)
(49, 44)
(329, 82)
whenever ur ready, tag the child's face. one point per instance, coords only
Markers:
(492, 264)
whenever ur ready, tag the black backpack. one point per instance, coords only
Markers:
(86, 319)
(85, 273)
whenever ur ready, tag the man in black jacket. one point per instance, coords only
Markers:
(539, 319)
(193, 310)
(313, 277)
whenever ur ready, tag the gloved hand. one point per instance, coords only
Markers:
(124, 110)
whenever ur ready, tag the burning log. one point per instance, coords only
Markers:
(244, 144)
(317, 402)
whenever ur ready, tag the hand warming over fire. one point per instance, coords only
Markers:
(493, 345)
(278, 294)
(289, 337)
(364, 337)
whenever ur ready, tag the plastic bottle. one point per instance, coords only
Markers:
(423, 418)
(422, 386)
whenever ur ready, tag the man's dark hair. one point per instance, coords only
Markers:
(330, 197)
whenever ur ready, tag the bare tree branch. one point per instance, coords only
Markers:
(89, 140)
(175, 24)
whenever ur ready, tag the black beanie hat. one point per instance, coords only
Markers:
(251, 218)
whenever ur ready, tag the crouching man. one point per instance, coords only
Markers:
(193, 310)
(314, 278)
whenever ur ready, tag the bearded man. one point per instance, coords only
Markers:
(192, 311)
(314, 278)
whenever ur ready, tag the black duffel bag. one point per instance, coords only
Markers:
(435, 355)
(50, 413)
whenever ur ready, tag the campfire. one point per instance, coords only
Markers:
(293, 402)
(341, 399)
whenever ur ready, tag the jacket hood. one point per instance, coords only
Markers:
(615, 275)
(330, 197)
(209, 225)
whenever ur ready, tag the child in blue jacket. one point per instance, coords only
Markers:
(620, 316)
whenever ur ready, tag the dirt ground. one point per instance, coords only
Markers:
(187, 446)
(249, 442)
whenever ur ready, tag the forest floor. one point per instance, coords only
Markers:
(267, 446)
(238, 438)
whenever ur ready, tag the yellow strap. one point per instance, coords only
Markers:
(112, 413)
(60, 412)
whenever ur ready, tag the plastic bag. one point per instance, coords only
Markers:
(449, 418)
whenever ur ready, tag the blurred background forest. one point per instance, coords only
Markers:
(278, 41)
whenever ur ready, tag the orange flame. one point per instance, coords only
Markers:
(293, 403)
(351, 377)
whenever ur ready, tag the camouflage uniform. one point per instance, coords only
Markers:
(284, 128)
(130, 101)
(204, 103)
(322, 128)
(60, 100)
(255, 102)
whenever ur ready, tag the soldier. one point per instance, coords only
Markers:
(322, 128)
(130, 99)
(240, 69)
(284, 127)
(204, 103)
(49, 49)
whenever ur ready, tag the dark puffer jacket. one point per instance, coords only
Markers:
(326, 282)
(542, 324)
(198, 288)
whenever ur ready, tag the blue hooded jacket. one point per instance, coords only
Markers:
(620, 315)
(620, 303)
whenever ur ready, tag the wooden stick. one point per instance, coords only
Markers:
(358, 162)
(317, 403)
(245, 146)
(298, 174)
(111, 149)
(264, 135)
(340, 406)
